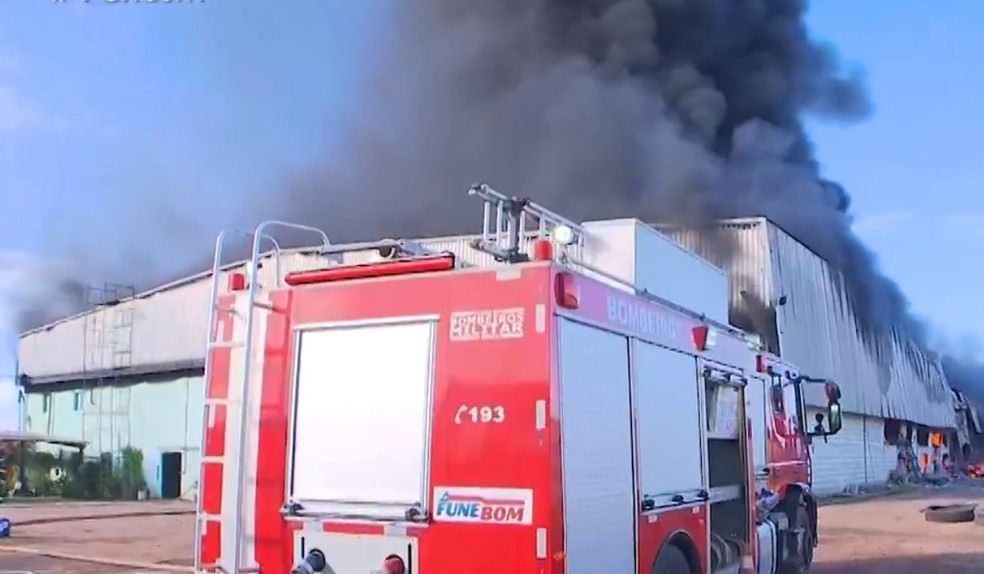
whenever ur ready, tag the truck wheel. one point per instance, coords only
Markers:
(671, 560)
(950, 513)
(799, 517)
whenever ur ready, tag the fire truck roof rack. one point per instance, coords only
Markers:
(504, 233)
(387, 248)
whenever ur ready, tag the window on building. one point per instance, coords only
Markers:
(922, 436)
(45, 400)
(92, 396)
(77, 400)
(892, 431)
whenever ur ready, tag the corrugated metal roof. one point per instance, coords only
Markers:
(789, 295)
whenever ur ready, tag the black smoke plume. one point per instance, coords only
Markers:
(667, 110)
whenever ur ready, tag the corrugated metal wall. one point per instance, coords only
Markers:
(815, 327)
(167, 325)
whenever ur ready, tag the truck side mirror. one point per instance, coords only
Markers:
(835, 418)
(835, 421)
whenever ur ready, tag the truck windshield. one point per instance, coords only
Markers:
(361, 418)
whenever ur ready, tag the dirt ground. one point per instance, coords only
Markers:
(890, 536)
(880, 536)
(95, 529)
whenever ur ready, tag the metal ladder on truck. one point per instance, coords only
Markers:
(232, 462)
(507, 223)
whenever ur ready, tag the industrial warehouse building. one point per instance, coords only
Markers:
(130, 372)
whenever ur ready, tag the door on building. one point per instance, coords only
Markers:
(170, 475)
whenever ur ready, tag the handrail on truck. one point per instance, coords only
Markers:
(217, 268)
(252, 274)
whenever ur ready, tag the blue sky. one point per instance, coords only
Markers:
(99, 102)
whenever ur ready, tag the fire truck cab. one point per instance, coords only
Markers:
(411, 415)
(782, 432)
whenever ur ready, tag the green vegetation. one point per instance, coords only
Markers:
(70, 475)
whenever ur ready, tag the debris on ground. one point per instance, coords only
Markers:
(950, 513)
(975, 471)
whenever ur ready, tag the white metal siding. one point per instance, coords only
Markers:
(840, 462)
(818, 333)
(816, 329)
(159, 328)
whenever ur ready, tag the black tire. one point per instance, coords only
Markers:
(799, 517)
(950, 513)
(671, 560)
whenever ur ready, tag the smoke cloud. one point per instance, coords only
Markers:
(668, 110)
(677, 111)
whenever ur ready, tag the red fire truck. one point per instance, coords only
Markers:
(413, 415)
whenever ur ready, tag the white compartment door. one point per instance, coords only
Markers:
(668, 414)
(596, 444)
(362, 411)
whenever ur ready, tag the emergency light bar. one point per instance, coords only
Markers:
(443, 262)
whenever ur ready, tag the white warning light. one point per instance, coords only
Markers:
(563, 235)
